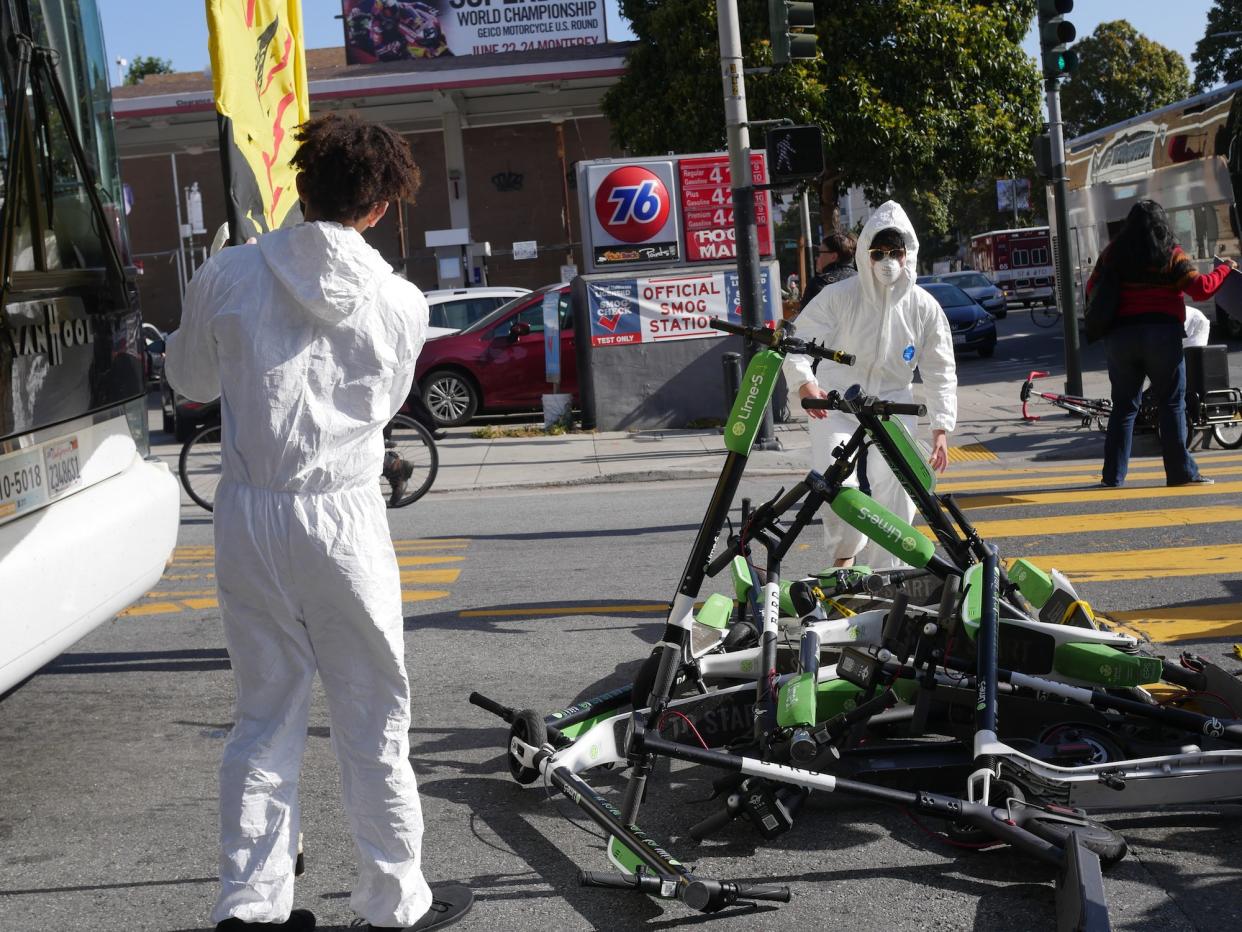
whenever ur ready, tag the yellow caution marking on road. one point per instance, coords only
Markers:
(1037, 480)
(425, 561)
(199, 604)
(443, 543)
(1056, 525)
(971, 453)
(1111, 565)
(1087, 466)
(430, 576)
(1184, 622)
(151, 608)
(423, 595)
(1078, 496)
(632, 608)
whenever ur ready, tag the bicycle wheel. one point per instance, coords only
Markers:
(410, 462)
(1228, 434)
(199, 466)
(1046, 315)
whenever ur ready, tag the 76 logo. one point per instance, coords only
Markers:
(635, 203)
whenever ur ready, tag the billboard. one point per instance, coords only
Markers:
(665, 306)
(665, 211)
(398, 30)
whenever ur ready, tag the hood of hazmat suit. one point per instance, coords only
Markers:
(891, 329)
(310, 341)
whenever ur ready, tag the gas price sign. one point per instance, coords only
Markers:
(707, 207)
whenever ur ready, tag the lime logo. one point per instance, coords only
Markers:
(594, 751)
(908, 544)
(852, 632)
(738, 429)
(746, 666)
(1106, 670)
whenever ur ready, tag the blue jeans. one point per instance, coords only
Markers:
(1152, 351)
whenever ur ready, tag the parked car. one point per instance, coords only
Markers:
(982, 289)
(153, 355)
(973, 327)
(496, 364)
(454, 309)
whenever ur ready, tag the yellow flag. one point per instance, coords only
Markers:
(258, 70)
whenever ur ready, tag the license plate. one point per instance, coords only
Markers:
(23, 483)
(63, 465)
(959, 339)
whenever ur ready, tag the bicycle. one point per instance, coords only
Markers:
(411, 462)
(1045, 315)
(1217, 412)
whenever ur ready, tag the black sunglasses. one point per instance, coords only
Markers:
(879, 255)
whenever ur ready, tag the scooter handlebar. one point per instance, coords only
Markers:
(713, 823)
(834, 402)
(782, 339)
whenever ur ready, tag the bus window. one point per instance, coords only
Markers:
(1183, 223)
(1039, 256)
(23, 243)
(1021, 258)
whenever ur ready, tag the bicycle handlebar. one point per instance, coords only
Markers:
(714, 822)
(834, 402)
(782, 339)
(707, 896)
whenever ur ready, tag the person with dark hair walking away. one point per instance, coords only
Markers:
(310, 340)
(1149, 273)
(834, 262)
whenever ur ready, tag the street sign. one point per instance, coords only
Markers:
(526, 249)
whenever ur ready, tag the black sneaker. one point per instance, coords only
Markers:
(1197, 480)
(450, 901)
(300, 920)
(399, 479)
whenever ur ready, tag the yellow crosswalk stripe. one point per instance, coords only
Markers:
(970, 452)
(430, 576)
(1173, 623)
(423, 595)
(426, 561)
(1040, 480)
(1078, 496)
(1098, 522)
(1090, 466)
(1155, 563)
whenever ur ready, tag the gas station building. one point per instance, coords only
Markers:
(496, 136)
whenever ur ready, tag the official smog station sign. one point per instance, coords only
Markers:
(661, 307)
(647, 213)
(395, 30)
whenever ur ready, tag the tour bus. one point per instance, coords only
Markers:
(87, 520)
(1185, 156)
(1018, 261)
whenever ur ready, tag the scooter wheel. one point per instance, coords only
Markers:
(1103, 748)
(1101, 839)
(528, 727)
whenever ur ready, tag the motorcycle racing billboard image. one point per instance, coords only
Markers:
(396, 30)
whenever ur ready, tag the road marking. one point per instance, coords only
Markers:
(1057, 525)
(1076, 496)
(151, 608)
(1184, 622)
(971, 453)
(430, 576)
(423, 595)
(1112, 565)
(633, 608)
(1021, 481)
(425, 561)
(1089, 467)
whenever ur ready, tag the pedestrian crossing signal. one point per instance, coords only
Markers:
(792, 31)
(795, 153)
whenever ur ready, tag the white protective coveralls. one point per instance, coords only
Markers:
(891, 330)
(309, 340)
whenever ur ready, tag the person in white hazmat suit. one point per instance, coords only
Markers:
(893, 327)
(310, 340)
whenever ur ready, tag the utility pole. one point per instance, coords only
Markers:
(1055, 33)
(749, 281)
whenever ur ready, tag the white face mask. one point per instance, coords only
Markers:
(887, 271)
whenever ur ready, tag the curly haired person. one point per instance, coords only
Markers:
(310, 340)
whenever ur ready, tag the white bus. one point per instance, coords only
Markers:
(1184, 156)
(87, 520)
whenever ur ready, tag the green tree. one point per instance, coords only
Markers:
(1121, 73)
(144, 65)
(912, 94)
(1218, 55)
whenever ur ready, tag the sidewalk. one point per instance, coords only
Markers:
(990, 429)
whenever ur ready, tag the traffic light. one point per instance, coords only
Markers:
(793, 30)
(795, 153)
(1055, 34)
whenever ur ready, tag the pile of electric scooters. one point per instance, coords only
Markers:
(983, 694)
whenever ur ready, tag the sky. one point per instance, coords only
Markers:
(131, 30)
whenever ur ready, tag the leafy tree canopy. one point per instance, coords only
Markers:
(1121, 73)
(1218, 55)
(144, 65)
(913, 95)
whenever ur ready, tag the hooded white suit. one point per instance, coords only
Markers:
(891, 330)
(309, 340)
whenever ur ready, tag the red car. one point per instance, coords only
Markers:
(496, 364)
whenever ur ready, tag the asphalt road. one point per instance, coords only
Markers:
(107, 778)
